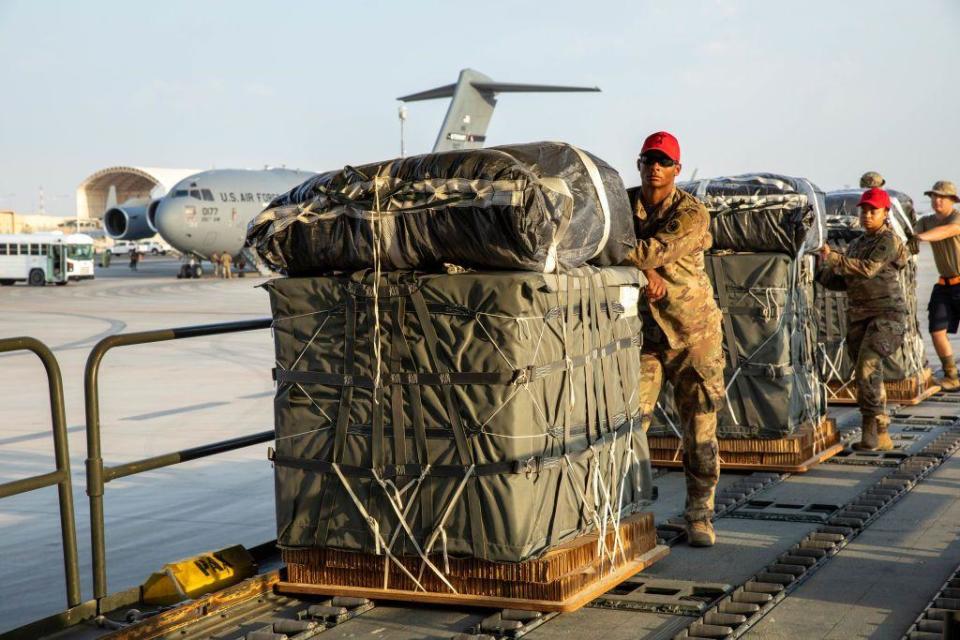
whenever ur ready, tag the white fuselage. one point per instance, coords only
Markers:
(207, 213)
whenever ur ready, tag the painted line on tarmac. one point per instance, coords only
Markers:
(169, 412)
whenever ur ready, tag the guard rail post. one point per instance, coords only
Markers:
(98, 475)
(60, 477)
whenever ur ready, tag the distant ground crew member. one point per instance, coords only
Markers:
(225, 261)
(876, 309)
(942, 231)
(134, 259)
(217, 267)
(682, 338)
(872, 180)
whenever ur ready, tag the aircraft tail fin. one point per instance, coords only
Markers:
(474, 97)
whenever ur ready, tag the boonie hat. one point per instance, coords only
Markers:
(943, 188)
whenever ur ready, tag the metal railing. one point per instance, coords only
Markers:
(60, 477)
(98, 474)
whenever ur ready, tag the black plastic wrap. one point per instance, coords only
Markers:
(535, 207)
(762, 212)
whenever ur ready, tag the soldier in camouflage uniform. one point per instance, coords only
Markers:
(876, 315)
(682, 339)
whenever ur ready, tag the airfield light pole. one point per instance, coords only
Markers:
(402, 114)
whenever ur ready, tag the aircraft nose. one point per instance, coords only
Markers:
(170, 219)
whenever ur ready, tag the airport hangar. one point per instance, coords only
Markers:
(129, 185)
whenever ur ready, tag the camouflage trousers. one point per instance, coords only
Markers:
(696, 374)
(869, 341)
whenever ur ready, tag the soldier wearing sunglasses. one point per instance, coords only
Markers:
(682, 338)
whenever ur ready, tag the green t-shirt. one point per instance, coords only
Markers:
(946, 253)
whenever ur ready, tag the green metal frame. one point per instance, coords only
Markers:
(98, 474)
(60, 477)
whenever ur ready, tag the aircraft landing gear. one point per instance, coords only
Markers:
(192, 269)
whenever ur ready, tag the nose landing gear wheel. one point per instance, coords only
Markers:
(190, 271)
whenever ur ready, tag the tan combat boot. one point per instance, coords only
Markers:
(868, 435)
(949, 382)
(884, 443)
(700, 534)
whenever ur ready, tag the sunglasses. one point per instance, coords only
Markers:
(659, 159)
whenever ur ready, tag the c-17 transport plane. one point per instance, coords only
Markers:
(207, 213)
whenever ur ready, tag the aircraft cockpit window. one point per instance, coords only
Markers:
(207, 194)
(195, 193)
(180, 193)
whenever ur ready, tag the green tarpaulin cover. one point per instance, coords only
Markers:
(491, 415)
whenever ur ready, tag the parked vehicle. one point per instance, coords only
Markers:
(153, 247)
(121, 247)
(36, 259)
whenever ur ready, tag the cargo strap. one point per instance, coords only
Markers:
(521, 376)
(477, 531)
(343, 417)
(766, 370)
(402, 348)
(402, 198)
(718, 275)
(529, 467)
(597, 181)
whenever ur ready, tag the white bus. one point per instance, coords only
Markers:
(34, 258)
(79, 256)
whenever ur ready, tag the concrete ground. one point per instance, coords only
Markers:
(154, 399)
(173, 395)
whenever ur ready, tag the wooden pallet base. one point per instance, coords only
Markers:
(571, 603)
(560, 573)
(907, 392)
(796, 454)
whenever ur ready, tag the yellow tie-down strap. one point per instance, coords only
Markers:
(197, 575)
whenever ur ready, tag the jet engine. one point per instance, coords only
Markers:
(152, 213)
(127, 222)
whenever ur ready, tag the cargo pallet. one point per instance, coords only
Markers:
(794, 454)
(563, 580)
(907, 392)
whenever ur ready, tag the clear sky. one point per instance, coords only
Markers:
(819, 89)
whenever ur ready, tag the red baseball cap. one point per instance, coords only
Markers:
(663, 142)
(876, 198)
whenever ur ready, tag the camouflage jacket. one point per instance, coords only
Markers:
(671, 239)
(869, 272)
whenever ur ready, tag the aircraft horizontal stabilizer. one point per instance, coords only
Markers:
(512, 87)
(445, 91)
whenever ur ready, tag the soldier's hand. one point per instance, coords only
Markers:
(656, 287)
(824, 251)
(913, 245)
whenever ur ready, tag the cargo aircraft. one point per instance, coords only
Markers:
(207, 213)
